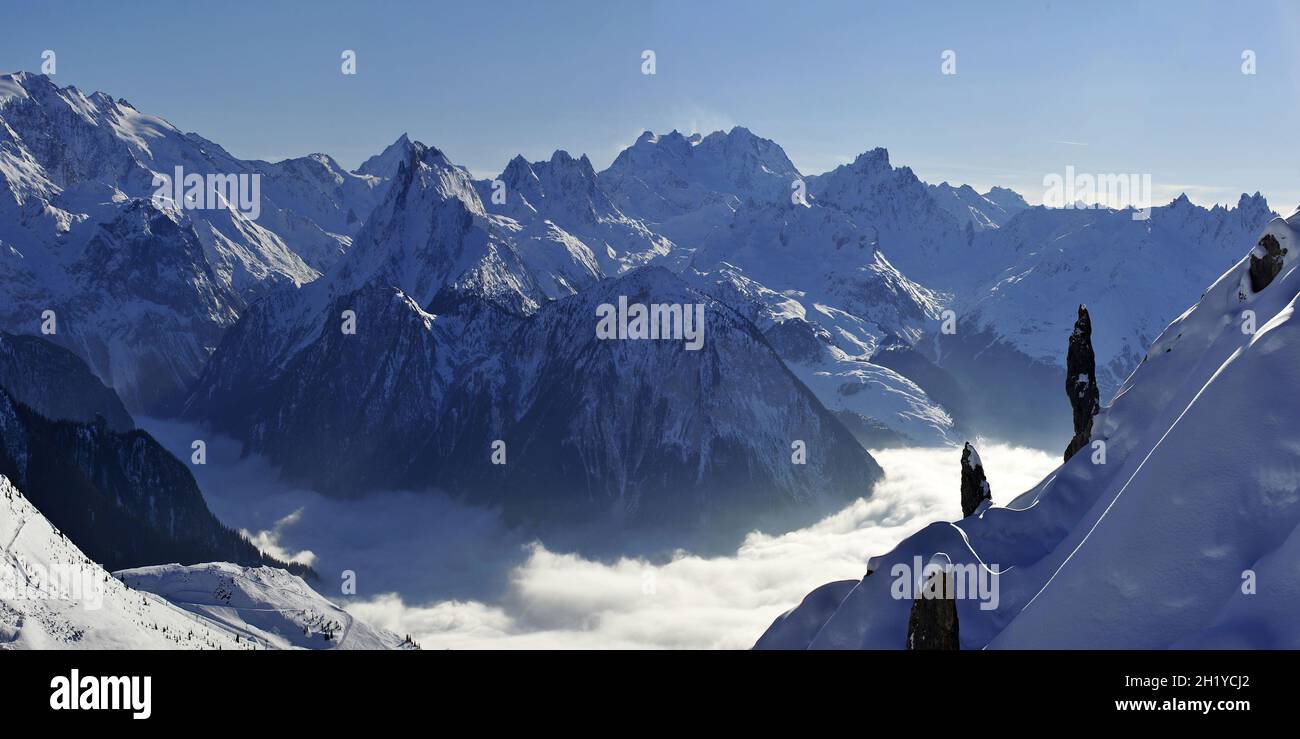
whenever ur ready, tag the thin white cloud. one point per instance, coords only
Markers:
(567, 601)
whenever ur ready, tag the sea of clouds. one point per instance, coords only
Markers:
(454, 576)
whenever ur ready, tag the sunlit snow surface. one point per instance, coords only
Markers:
(1184, 535)
(52, 596)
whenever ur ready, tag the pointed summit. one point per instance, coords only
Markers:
(386, 163)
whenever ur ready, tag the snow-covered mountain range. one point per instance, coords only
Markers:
(982, 212)
(406, 295)
(144, 291)
(476, 328)
(1178, 525)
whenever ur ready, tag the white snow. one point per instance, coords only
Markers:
(1185, 537)
(54, 597)
(265, 605)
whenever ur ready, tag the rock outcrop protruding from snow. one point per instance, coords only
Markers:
(1081, 382)
(974, 486)
(1265, 262)
(932, 624)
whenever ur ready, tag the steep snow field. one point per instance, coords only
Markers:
(54, 597)
(266, 605)
(1186, 536)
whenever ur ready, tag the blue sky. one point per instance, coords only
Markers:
(1107, 87)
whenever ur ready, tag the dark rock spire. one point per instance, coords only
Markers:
(974, 486)
(1081, 382)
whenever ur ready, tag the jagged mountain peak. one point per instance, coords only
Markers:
(315, 159)
(425, 174)
(868, 169)
(975, 211)
(559, 188)
(563, 201)
(1008, 199)
(688, 187)
(562, 158)
(709, 148)
(385, 164)
(432, 232)
(1253, 205)
(876, 159)
(560, 165)
(36, 85)
(1000, 191)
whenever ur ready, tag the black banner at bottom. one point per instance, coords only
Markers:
(300, 688)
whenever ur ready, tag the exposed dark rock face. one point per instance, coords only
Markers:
(1265, 262)
(932, 625)
(120, 497)
(974, 486)
(1081, 382)
(602, 436)
(56, 383)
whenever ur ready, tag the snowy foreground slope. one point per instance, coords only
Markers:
(266, 605)
(52, 596)
(1187, 535)
(38, 562)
